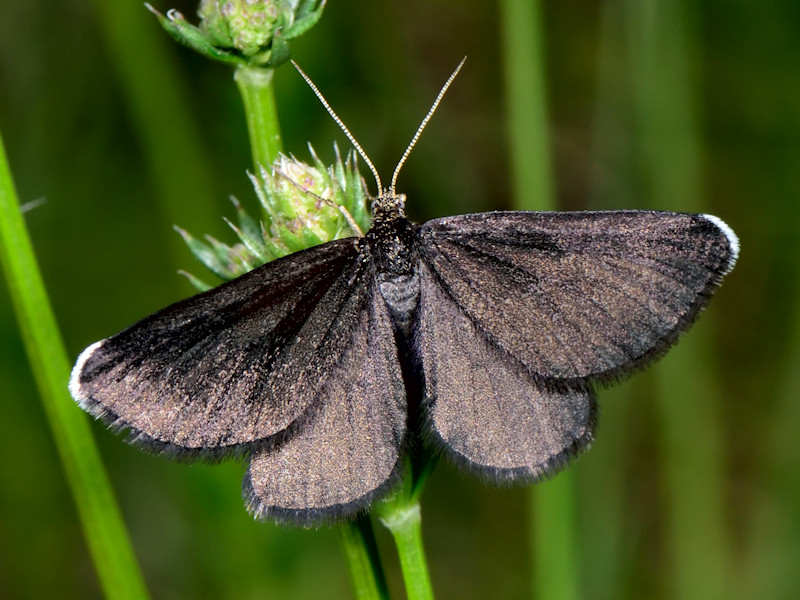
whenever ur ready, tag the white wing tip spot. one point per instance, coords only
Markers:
(733, 240)
(75, 377)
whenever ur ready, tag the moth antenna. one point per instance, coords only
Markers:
(342, 126)
(423, 124)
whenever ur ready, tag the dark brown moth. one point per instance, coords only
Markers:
(504, 322)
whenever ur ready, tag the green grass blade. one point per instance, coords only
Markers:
(526, 105)
(102, 523)
(687, 396)
(554, 524)
(552, 504)
(607, 554)
(773, 533)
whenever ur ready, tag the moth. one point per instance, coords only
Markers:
(482, 336)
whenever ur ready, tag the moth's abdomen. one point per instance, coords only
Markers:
(401, 294)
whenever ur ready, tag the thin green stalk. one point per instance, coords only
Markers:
(552, 504)
(364, 564)
(606, 556)
(554, 508)
(773, 533)
(526, 105)
(688, 397)
(402, 516)
(102, 523)
(404, 520)
(258, 95)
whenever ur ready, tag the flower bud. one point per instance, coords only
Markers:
(305, 200)
(245, 25)
(304, 206)
(254, 33)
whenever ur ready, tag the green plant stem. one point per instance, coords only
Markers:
(404, 520)
(554, 532)
(551, 504)
(773, 549)
(256, 87)
(606, 558)
(102, 523)
(699, 551)
(401, 515)
(361, 551)
(526, 105)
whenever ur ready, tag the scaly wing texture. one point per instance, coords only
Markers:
(242, 363)
(484, 407)
(521, 312)
(348, 452)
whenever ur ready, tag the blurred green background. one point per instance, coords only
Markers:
(114, 145)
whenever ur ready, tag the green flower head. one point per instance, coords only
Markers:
(306, 199)
(245, 32)
(303, 205)
(246, 25)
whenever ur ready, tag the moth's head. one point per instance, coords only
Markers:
(389, 205)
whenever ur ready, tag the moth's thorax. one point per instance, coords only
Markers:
(392, 239)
